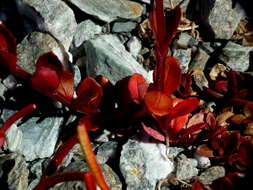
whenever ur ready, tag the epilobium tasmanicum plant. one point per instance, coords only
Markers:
(168, 116)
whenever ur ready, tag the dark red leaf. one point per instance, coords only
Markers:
(158, 103)
(184, 107)
(7, 40)
(137, 87)
(47, 76)
(89, 95)
(214, 93)
(211, 121)
(193, 129)
(233, 79)
(153, 133)
(221, 86)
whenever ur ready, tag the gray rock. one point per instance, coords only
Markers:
(186, 167)
(134, 46)
(107, 56)
(3, 89)
(173, 152)
(123, 26)
(36, 168)
(58, 18)
(14, 138)
(17, 176)
(199, 61)
(184, 57)
(203, 162)
(143, 163)
(109, 10)
(77, 75)
(211, 174)
(236, 56)
(185, 40)
(110, 176)
(10, 82)
(35, 45)
(39, 139)
(220, 26)
(85, 31)
(106, 151)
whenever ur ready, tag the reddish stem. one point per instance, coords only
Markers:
(21, 113)
(60, 155)
(89, 181)
(63, 177)
(90, 156)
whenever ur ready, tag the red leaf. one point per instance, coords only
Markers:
(137, 87)
(178, 123)
(158, 103)
(193, 129)
(66, 85)
(221, 86)
(7, 40)
(184, 107)
(170, 76)
(153, 133)
(89, 95)
(47, 76)
(204, 150)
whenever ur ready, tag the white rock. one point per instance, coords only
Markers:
(134, 46)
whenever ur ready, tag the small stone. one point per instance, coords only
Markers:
(184, 57)
(123, 26)
(58, 18)
(111, 177)
(134, 46)
(13, 138)
(236, 57)
(206, 46)
(185, 40)
(108, 57)
(143, 163)
(3, 89)
(10, 82)
(211, 174)
(14, 172)
(173, 152)
(109, 10)
(85, 31)
(199, 61)
(77, 75)
(37, 168)
(40, 137)
(106, 151)
(203, 162)
(33, 46)
(186, 168)
(220, 26)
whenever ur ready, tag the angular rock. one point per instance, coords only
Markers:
(14, 138)
(108, 57)
(203, 162)
(134, 46)
(211, 174)
(143, 163)
(220, 26)
(10, 82)
(109, 10)
(173, 152)
(58, 18)
(236, 57)
(106, 151)
(110, 176)
(185, 40)
(39, 138)
(184, 57)
(85, 31)
(3, 89)
(199, 61)
(35, 45)
(186, 167)
(123, 26)
(13, 171)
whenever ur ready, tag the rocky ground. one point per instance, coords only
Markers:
(113, 38)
